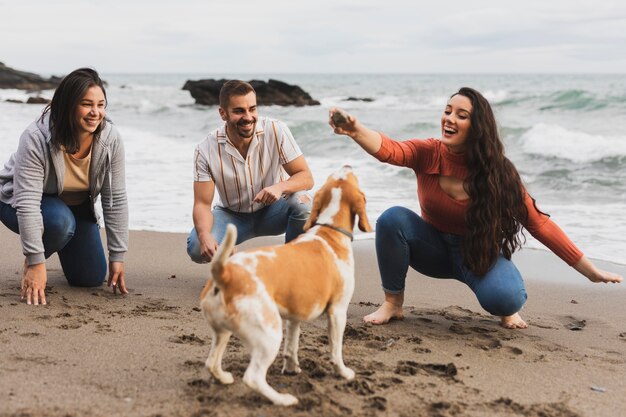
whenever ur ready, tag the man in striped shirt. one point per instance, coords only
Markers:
(259, 172)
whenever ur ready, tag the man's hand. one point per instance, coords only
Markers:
(208, 246)
(269, 195)
(34, 284)
(116, 277)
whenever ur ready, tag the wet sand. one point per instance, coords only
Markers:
(90, 353)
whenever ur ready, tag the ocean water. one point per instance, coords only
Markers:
(565, 133)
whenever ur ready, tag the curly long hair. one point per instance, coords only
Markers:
(496, 211)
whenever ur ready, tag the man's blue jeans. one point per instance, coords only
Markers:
(72, 232)
(287, 215)
(404, 239)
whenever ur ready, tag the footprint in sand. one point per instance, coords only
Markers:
(458, 329)
(409, 368)
(69, 326)
(313, 369)
(198, 383)
(103, 328)
(358, 333)
(378, 403)
(358, 387)
(575, 324)
(390, 382)
(187, 339)
(493, 344)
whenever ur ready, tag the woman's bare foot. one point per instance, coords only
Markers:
(513, 322)
(386, 312)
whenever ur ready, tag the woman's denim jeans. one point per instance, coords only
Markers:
(404, 239)
(72, 232)
(287, 215)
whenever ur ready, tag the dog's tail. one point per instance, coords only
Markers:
(217, 264)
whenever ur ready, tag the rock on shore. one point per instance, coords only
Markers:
(12, 78)
(272, 92)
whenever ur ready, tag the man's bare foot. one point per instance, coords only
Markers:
(386, 312)
(513, 322)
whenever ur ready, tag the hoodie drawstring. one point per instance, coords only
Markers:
(109, 175)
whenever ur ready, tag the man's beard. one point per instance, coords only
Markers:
(244, 134)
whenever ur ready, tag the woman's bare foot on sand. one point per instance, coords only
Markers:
(513, 322)
(385, 313)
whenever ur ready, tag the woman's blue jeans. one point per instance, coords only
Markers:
(72, 232)
(404, 239)
(287, 215)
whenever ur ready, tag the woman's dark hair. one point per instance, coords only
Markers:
(496, 211)
(63, 106)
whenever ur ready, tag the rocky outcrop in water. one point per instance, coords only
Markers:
(272, 92)
(12, 78)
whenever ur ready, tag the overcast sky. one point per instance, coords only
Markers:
(291, 36)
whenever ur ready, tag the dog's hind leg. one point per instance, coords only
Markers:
(291, 365)
(214, 361)
(336, 327)
(264, 346)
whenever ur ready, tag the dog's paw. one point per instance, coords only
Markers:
(291, 368)
(225, 378)
(285, 400)
(347, 373)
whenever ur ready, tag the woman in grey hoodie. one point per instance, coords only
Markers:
(48, 188)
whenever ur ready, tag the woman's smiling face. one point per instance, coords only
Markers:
(90, 110)
(456, 123)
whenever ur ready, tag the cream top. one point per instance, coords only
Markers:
(76, 179)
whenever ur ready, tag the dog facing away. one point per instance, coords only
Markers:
(248, 293)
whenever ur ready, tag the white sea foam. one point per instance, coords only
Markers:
(576, 146)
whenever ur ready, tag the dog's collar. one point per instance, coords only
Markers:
(338, 229)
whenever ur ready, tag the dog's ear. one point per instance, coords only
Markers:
(315, 212)
(364, 223)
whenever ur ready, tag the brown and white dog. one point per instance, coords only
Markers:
(248, 293)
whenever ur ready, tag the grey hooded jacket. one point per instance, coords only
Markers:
(37, 168)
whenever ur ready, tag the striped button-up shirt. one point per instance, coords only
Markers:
(237, 179)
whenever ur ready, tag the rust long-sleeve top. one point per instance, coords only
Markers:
(429, 159)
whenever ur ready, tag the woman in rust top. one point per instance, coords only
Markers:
(473, 207)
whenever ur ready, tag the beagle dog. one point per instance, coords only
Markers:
(249, 292)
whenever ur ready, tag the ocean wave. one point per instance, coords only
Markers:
(556, 141)
(573, 100)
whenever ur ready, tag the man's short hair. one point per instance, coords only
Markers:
(234, 88)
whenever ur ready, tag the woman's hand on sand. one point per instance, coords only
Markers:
(605, 277)
(588, 269)
(116, 277)
(34, 284)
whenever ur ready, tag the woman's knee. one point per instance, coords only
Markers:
(58, 221)
(503, 292)
(394, 219)
(504, 303)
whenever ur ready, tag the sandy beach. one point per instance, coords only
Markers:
(90, 353)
